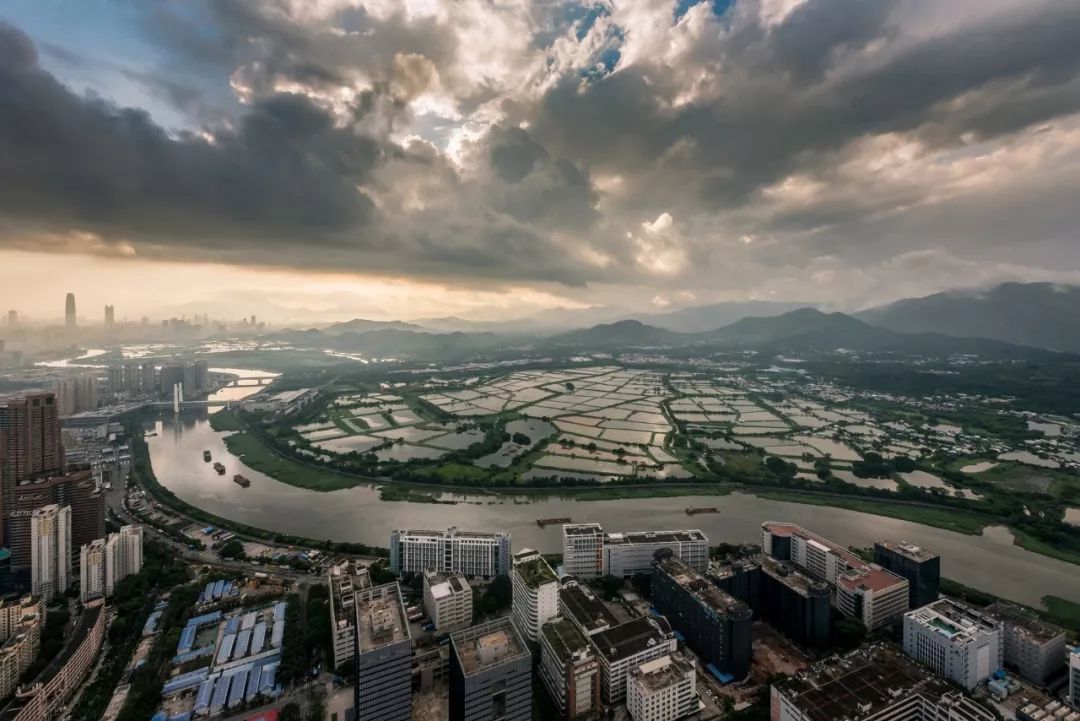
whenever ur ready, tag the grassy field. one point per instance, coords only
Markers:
(1036, 545)
(1062, 611)
(255, 454)
(949, 519)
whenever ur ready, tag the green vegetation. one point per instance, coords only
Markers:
(495, 597)
(614, 492)
(1063, 612)
(535, 573)
(948, 519)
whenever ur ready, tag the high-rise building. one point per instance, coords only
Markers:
(779, 594)
(191, 387)
(472, 553)
(715, 623)
(579, 605)
(149, 384)
(448, 600)
(861, 590)
(172, 374)
(114, 382)
(535, 593)
(589, 552)
(383, 690)
(344, 580)
(123, 556)
(202, 375)
(20, 639)
(1034, 648)
(92, 571)
(627, 646)
(69, 312)
(110, 316)
(133, 380)
(874, 684)
(76, 393)
(569, 669)
(30, 444)
(13, 317)
(1074, 678)
(921, 568)
(957, 642)
(490, 674)
(78, 489)
(50, 552)
(664, 689)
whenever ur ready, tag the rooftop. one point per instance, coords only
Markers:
(632, 637)
(443, 585)
(908, 550)
(701, 588)
(858, 685)
(582, 529)
(649, 537)
(565, 639)
(380, 615)
(587, 611)
(1025, 621)
(662, 672)
(488, 645)
(452, 532)
(864, 575)
(535, 571)
(790, 576)
(958, 622)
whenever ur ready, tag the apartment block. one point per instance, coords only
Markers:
(583, 549)
(50, 552)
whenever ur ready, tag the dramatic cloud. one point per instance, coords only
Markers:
(819, 149)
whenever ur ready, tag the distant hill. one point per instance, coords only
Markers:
(623, 333)
(361, 325)
(1042, 315)
(701, 318)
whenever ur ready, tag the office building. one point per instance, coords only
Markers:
(716, 625)
(579, 605)
(69, 312)
(50, 551)
(664, 689)
(957, 642)
(448, 600)
(344, 580)
(30, 445)
(569, 669)
(383, 690)
(20, 639)
(862, 590)
(1034, 649)
(46, 697)
(920, 567)
(875, 684)
(790, 601)
(92, 570)
(583, 549)
(1074, 678)
(490, 674)
(536, 593)
(472, 553)
(627, 646)
(123, 556)
(78, 489)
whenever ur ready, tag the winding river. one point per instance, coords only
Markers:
(989, 562)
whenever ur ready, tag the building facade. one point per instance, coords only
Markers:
(344, 580)
(920, 567)
(20, 640)
(569, 669)
(123, 555)
(1034, 649)
(589, 552)
(535, 594)
(716, 625)
(50, 551)
(627, 646)
(383, 690)
(77, 489)
(583, 549)
(92, 571)
(490, 674)
(956, 641)
(471, 553)
(448, 600)
(662, 690)
(862, 590)
(30, 445)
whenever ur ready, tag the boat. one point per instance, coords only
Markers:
(544, 522)
(206, 456)
(695, 511)
(241, 481)
(219, 468)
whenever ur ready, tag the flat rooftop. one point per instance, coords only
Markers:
(703, 589)
(858, 685)
(565, 639)
(908, 550)
(954, 620)
(1025, 621)
(443, 585)
(380, 616)
(632, 637)
(587, 610)
(650, 537)
(451, 532)
(535, 572)
(662, 672)
(488, 645)
(582, 529)
(862, 575)
(787, 574)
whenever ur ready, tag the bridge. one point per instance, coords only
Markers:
(193, 404)
(259, 380)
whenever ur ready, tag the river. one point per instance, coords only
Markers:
(989, 562)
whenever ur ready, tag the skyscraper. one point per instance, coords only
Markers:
(69, 312)
(123, 556)
(110, 316)
(29, 444)
(50, 565)
(92, 570)
(13, 317)
(77, 490)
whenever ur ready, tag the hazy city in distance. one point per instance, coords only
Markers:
(621, 360)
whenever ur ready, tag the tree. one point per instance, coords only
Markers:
(232, 549)
(848, 633)
(642, 582)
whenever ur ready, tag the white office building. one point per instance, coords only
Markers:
(535, 593)
(625, 647)
(663, 689)
(50, 550)
(957, 642)
(123, 556)
(448, 600)
(92, 570)
(589, 552)
(471, 553)
(1074, 678)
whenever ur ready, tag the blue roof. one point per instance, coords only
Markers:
(205, 619)
(225, 649)
(159, 716)
(184, 681)
(184, 716)
(243, 642)
(279, 611)
(239, 685)
(202, 698)
(279, 631)
(720, 676)
(232, 625)
(258, 637)
(267, 685)
(151, 623)
(253, 682)
(221, 692)
(192, 655)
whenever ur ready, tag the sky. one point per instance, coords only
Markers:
(493, 158)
